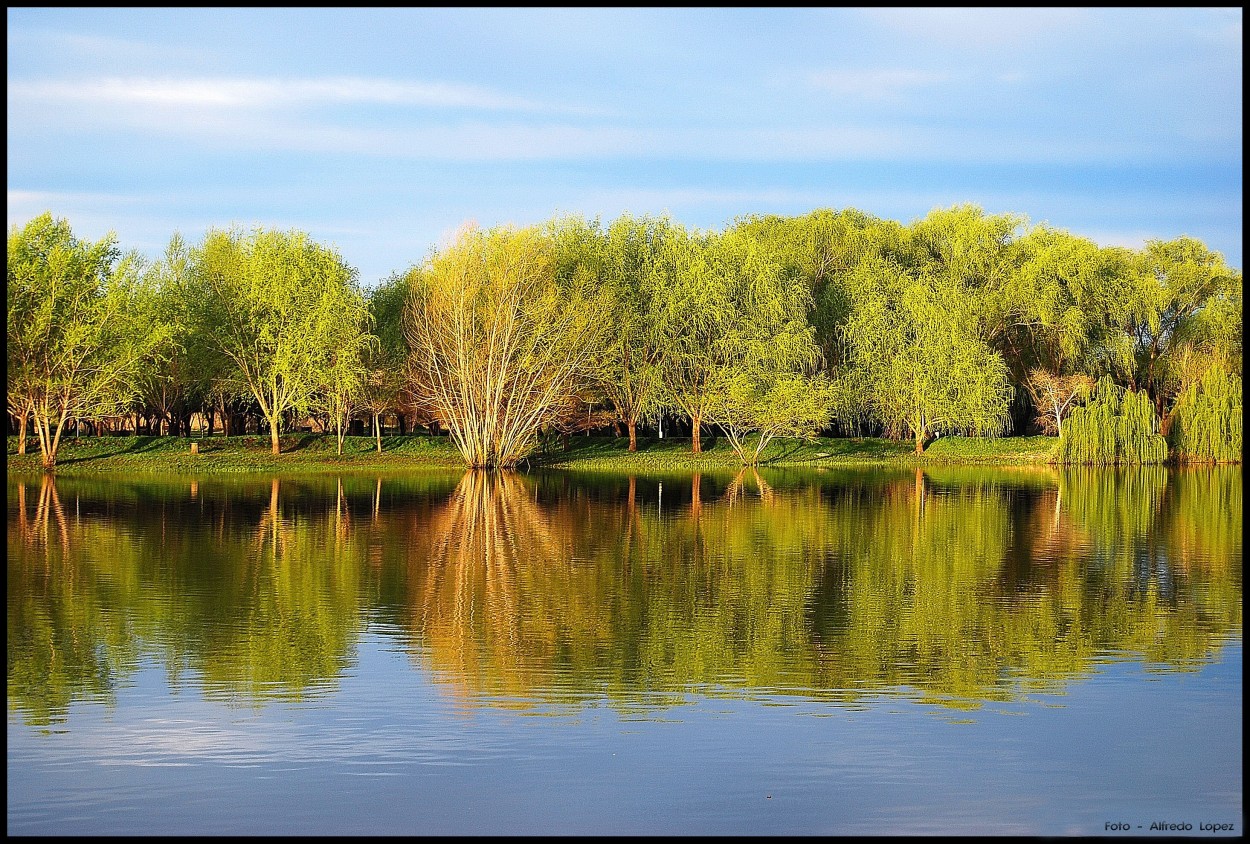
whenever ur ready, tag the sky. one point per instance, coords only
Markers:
(381, 131)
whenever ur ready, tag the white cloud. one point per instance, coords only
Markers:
(232, 130)
(70, 45)
(242, 93)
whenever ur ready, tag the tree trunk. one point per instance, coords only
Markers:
(273, 434)
(21, 434)
(49, 457)
(633, 436)
(919, 443)
(697, 443)
(377, 429)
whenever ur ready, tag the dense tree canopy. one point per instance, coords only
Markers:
(78, 328)
(500, 346)
(832, 322)
(284, 311)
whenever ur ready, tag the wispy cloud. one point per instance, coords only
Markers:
(980, 27)
(216, 130)
(74, 45)
(240, 93)
(875, 84)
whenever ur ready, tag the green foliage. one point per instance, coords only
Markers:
(727, 310)
(626, 259)
(1114, 426)
(915, 340)
(1187, 296)
(502, 346)
(1207, 419)
(285, 312)
(769, 404)
(77, 328)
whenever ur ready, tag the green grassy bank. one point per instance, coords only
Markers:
(315, 453)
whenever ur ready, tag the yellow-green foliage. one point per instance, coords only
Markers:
(1114, 426)
(1206, 421)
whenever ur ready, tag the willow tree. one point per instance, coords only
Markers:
(178, 377)
(386, 382)
(1207, 419)
(279, 306)
(725, 309)
(624, 258)
(1179, 281)
(769, 404)
(73, 348)
(915, 342)
(963, 247)
(500, 344)
(343, 385)
(1070, 300)
(1115, 426)
(822, 248)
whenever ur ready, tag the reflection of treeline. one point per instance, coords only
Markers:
(835, 321)
(239, 584)
(962, 585)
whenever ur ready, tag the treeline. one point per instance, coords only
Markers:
(835, 322)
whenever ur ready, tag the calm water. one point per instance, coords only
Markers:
(982, 651)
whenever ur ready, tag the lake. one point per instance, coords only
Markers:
(841, 651)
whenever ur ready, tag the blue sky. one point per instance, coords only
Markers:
(381, 131)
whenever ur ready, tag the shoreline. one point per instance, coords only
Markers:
(317, 454)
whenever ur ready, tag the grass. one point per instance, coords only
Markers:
(317, 454)
(301, 454)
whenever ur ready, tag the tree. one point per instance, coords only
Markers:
(281, 306)
(499, 344)
(73, 349)
(623, 261)
(1056, 396)
(1178, 279)
(1063, 318)
(770, 405)
(385, 387)
(725, 308)
(1114, 426)
(1207, 419)
(822, 248)
(915, 340)
(178, 376)
(343, 385)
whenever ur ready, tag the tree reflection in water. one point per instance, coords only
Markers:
(956, 586)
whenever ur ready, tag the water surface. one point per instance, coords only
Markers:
(856, 651)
